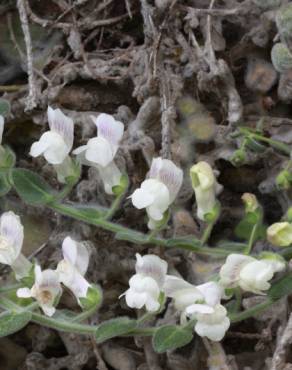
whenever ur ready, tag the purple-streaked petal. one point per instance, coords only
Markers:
(61, 124)
(109, 129)
(12, 230)
(169, 174)
(152, 266)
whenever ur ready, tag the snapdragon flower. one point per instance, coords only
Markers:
(158, 192)
(56, 144)
(73, 267)
(206, 188)
(201, 303)
(100, 151)
(46, 290)
(248, 273)
(280, 234)
(146, 284)
(11, 240)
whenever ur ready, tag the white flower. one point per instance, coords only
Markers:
(212, 324)
(11, 240)
(250, 274)
(200, 302)
(205, 186)
(101, 150)
(159, 191)
(280, 234)
(1, 128)
(45, 290)
(146, 284)
(73, 267)
(55, 144)
(185, 294)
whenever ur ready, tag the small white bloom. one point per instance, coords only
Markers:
(101, 150)
(1, 128)
(73, 267)
(186, 294)
(250, 274)
(45, 290)
(55, 144)
(212, 324)
(159, 191)
(11, 240)
(146, 284)
(205, 186)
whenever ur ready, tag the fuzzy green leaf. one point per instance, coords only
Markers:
(13, 322)
(171, 337)
(114, 328)
(31, 187)
(281, 288)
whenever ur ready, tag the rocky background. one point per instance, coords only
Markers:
(181, 75)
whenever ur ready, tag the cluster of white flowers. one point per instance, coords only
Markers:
(47, 284)
(201, 303)
(56, 144)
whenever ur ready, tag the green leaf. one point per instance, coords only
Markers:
(4, 184)
(13, 322)
(31, 187)
(281, 288)
(171, 337)
(4, 107)
(114, 328)
(244, 228)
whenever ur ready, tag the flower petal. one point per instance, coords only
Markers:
(213, 332)
(152, 266)
(109, 129)
(169, 174)
(23, 293)
(110, 175)
(212, 292)
(61, 124)
(76, 253)
(11, 230)
(141, 198)
(229, 273)
(199, 308)
(99, 151)
(48, 310)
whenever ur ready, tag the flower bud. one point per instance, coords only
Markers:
(205, 186)
(280, 234)
(281, 57)
(238, 158)
(250, 202)
(68, 171)
(284, 180)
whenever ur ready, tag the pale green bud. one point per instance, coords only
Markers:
(280, 234)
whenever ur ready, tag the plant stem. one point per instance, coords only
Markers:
(251, 239)
(207, 233)
(66, 326)
(114, 206)
(251, 311)
(125, 233)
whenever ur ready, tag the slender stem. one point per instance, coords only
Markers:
(125, 233)
(251, 239)
(207, 233)
(84, 315)
(251, 311)
(114, 206)
(66, 326)
(238, 298)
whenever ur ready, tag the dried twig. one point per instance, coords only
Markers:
(279, 357)
(31, 101)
